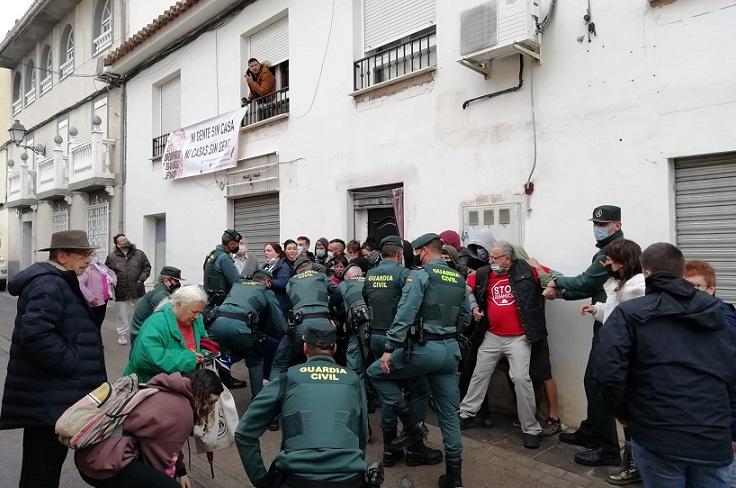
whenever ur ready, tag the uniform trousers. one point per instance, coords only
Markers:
(437, 361)
(518, 352)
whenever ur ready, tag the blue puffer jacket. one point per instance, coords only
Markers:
(56, 355)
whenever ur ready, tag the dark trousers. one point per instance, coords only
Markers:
(600, 424)
(43, 456)
(135, 474)
(99, 314)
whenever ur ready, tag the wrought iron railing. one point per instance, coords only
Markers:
(159, 144)
(395, 61)
(264, 108)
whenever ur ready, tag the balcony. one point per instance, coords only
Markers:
(30, 96)
(66, 69)
(17, 106)
(104, 40)
(89, 164)
(20, 188)
(46, 84)
(395, 62)
(159, 144)
(264, 108)
(51, 176)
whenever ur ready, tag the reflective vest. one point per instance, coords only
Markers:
(382, 292)
(443, 297)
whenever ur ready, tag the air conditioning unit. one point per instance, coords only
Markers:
(498, 29)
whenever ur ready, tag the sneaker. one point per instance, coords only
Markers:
(467, 422)
(122, 340)
(551, 427)
(530, 441)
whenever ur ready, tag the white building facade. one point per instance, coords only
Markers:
(367, 133)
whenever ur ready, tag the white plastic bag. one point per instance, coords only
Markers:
(221, 425)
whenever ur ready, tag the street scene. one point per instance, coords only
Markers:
(336, 244)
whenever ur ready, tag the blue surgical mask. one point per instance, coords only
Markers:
(600, 232)
(496, 268)
(482, 254)
(299, 249)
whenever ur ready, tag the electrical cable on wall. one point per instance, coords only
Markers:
(501, 92)
(529, 186)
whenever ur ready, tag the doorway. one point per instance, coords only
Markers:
(382, 223)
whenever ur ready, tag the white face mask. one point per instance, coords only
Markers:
(321, 253)
(299, 249)
(330, 254)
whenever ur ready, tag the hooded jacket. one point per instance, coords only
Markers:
(666, 363)
(149, 436)
(56, 355)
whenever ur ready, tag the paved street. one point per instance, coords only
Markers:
(492, 457)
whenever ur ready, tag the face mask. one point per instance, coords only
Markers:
(174, 285)
(299, 249)
(482, 254)
(600, 233)
(321, 253)
(330, 254)
(449, 263)
(496, 268)
(242, 248)
(125, 244)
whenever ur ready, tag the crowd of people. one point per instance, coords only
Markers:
(330, 332)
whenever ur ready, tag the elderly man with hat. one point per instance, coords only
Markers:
(56, 355)
(325, 421)
(422, 342)
(220, 273)
(169, 280)
(382, 292)
(598, 431)
(249, 312)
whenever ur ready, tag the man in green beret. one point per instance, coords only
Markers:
(422, 341)
(250, 309)
(325, 421)
(382, 292)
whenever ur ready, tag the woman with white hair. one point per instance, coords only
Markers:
(169, 339)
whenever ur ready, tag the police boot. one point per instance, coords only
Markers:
(453, 474)
(414, 429)
(390, 457)
(418, 453)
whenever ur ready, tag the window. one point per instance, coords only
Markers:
(66, 53)
(171, 105)
(17, 93)
(98, 224)
(47, 68)
(30, 82)
(102, 26)
(59, 216)
(100, 110)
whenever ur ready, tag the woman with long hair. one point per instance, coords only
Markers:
(149, 452)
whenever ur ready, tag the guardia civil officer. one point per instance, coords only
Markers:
(309, 292)
(433, 306)
(220, 272)
(382, 292)
(325, 422)
(248, 310)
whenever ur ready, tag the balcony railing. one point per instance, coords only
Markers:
(104, 39)
(395, 61)
(159, 144)
(264, 108)
(20, 187)
(46, 84)
(17, 105)
(51, 175)
(30, 96)
(89, 160)
(66, 68)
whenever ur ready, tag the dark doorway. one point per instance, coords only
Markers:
(381, 223)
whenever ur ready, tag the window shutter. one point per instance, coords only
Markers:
(385, 21)
(171, 106)
(271, 44)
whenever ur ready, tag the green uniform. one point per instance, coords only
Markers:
(220, 274)
(248, 305)
(434, 300)
(309, 293)
(145, 307)
(350, 298)
(325, 423)
(382, 292)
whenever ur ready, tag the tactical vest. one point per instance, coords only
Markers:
(308, 289)
(443, 298)
(527, 297)
(249, 295)
(214, 280)
(321, 408)
(382, 292)
(353, 292)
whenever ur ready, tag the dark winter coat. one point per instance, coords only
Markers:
(56, 355)
(666, 364)
(132, 270)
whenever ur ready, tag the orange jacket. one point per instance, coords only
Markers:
(263, 83)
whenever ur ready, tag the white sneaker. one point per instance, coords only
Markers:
(123, 340)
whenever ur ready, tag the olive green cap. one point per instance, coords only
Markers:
(391, 240)
(300, 261)
(321, 334)
(423, 240)
(262, 272)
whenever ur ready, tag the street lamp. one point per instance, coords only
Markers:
(18, 133)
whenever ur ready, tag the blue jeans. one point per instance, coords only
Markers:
(659, 472)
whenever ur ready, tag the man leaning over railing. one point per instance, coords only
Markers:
(260, 81)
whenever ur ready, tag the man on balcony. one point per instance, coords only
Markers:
(260, 81)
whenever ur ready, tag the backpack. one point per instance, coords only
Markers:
(97, 415)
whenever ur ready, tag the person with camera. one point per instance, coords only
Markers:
(260, 80)
(325, 422)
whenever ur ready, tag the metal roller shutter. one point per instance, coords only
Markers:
(171, 106)
(705, 210)
(271, 44)
(257, 218)
(388, 20)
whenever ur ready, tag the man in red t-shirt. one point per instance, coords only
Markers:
(508, 335)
